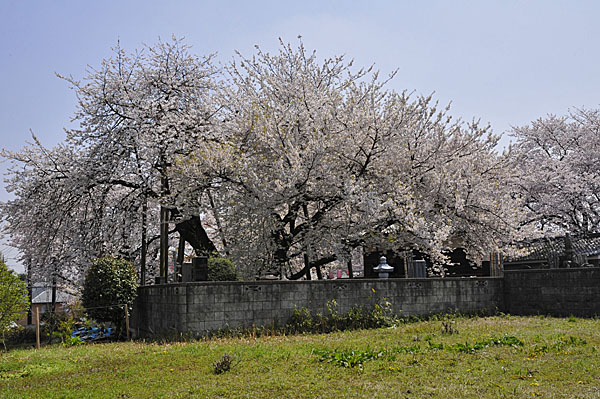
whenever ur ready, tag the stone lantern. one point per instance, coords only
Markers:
(383, 269)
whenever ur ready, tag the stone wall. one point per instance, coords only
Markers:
(198, 307)
(556, 292)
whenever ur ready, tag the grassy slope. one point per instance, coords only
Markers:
(549, 365)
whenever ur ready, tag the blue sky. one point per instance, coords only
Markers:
(504, 62)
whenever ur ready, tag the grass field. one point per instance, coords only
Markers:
(493, 357)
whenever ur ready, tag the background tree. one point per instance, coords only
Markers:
(109, 285)
(13, 298)
(558, 159)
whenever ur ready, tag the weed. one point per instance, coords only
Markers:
(347, 358)
(439, 346)
(559, 345)
(224, 365)
(508, 340)
(448, 327)
(407, 349)
(303, 321)
(72, 341)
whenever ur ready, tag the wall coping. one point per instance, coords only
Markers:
(327, 281)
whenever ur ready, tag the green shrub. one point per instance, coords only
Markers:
(222, 269)
(109, 284)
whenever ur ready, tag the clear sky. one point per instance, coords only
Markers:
(504, 62)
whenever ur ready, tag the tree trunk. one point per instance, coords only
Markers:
(218, 220)
(193, 232)
(318, 264)
(319, 273)
(307, 266)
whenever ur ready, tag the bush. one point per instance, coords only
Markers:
(109, 284)
(222, 269)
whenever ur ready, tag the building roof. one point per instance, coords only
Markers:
(549, 247)
(45, 296)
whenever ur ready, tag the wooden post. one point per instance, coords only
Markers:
(37, 328)
(127, 320)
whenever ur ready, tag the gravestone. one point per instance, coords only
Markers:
(200, 268)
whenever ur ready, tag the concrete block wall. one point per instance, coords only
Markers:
(556, 292)
(198, 307)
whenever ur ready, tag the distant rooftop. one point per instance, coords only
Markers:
(45, 296)
(548, 247)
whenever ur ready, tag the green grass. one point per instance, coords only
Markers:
(494, 357)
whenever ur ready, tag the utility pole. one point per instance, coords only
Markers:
(164, 234)
(29, 292)
(144, 248)
(54, 273)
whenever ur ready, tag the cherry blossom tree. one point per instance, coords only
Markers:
(316, 159)
(559, 163)
(90, 195)
(293, 161)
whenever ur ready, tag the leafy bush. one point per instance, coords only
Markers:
(222, 269)
(109, 284)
